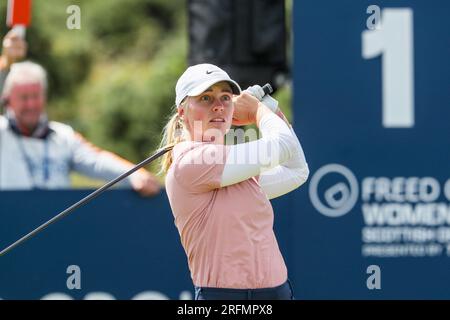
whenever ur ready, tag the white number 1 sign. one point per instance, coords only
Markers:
(393, 40)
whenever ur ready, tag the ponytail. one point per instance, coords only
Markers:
(172, 134)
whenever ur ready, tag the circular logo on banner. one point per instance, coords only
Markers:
(338, 198)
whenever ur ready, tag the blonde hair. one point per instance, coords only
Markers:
(173, 133)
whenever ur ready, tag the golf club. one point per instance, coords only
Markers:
(88, 198)
(267, 90)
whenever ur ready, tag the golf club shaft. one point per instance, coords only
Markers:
(267, 90)
(88, 198)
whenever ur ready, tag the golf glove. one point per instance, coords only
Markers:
(258, 92)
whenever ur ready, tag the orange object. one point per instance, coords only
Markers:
(19, 13)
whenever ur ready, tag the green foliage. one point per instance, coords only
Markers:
(114, 79)
(123, 105)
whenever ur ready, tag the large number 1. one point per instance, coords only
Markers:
(394, 42)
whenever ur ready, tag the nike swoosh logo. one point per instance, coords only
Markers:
(209, 72)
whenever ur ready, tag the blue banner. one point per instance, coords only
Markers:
(119, 246)
(371, 103)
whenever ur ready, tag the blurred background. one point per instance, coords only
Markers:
(113, 80)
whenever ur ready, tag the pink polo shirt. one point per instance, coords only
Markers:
(227, 232)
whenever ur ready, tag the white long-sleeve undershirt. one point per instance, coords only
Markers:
(277, 158)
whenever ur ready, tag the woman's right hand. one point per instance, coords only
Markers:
(248, 110)
(245, 109)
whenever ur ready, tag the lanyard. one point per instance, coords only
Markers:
(30, 165)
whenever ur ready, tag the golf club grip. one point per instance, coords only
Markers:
(267, 89)
(88, 198)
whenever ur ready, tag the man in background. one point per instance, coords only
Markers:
(36, 153)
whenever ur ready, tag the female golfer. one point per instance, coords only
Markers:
(219, 193)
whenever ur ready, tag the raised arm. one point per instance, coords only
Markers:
(282, 170)
(277, 145)
(14, 48)
(288, 175)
